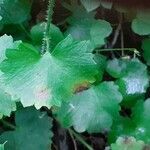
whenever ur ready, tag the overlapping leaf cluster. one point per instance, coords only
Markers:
(69, 77)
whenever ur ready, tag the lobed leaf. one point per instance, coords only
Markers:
(92, 110)
(83, 26)
(32, 131)
(132, 77)
(49, 79)
(6, 103)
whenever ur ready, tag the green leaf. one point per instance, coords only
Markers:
(132, 77)
(141, 24)
(92, 110)
(137, 125)
(5, 42)
(50, 78)
(14, 11)
(83, 26)
(146, 48)
(80, 24)
(37, 34)
(99, 31)
(32, 131)
(2, 146)
(128, 143)
(90, 4)
(101, 63)
(81, 16)
(79, 32)
(141, 116)
(6, 104)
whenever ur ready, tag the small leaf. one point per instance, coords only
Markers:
(90, 4)
(128, 143)
(48, 79)
(80, 24)
(9, 11)
(32, 131)
(99, 31)
(83, 26)
(92, 110)
(37, 34)
(141, 24)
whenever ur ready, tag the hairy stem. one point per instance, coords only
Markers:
(47, 36)
(80, 139)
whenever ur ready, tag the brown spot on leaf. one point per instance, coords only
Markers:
(81, 87)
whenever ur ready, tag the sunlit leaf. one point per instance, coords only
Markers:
(92, 110)
(48, 79)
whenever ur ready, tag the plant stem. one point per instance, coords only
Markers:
(73, 140)
(119, 49)
(7, 124)
(47, 36)
(79, 138)
(25, 31)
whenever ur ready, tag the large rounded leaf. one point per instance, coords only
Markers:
(32, 131)
(47, 80)
(93, 110)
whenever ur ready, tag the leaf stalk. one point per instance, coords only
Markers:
(80, 139)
